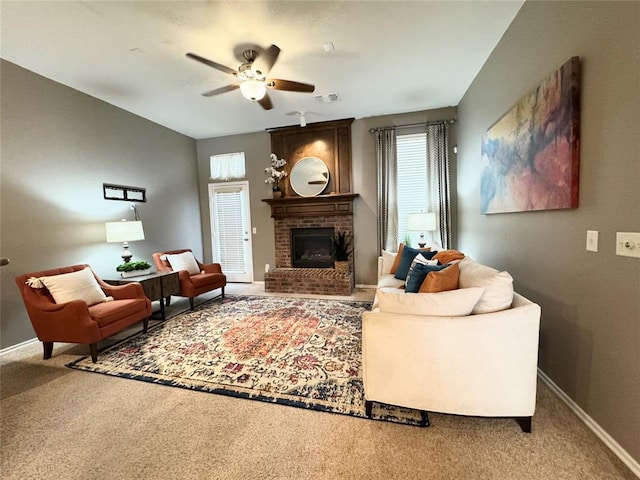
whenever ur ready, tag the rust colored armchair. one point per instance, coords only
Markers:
(208, 276)
(77, 322)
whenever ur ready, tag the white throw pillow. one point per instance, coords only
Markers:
(498, 286)
(80, 285)
(184, 261)
(387, 261)
(452, 303)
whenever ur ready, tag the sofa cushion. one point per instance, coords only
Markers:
(79, 285)
(417, 274)
(184, 261)
(452, 303)
(498, 286)
(406, 257)
(389, 281)
(441, 280)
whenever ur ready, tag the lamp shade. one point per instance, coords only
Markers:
(421, 222)
(124, 231)
(253, 89)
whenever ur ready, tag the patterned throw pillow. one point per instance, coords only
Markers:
(407, 256)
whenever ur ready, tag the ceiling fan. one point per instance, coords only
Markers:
(252, 76)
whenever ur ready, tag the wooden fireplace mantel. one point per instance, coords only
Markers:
(318, 206)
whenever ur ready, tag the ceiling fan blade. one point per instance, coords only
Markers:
(265, 102)
(279, 84)
(218, 91)
(211, 63)
(267, 60)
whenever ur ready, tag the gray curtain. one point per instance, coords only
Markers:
(438, 179)
(386, 179)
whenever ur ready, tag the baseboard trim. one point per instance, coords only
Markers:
(602, 434)
(18, 346)
(364, 285)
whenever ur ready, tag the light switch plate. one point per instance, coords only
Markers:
(628, 244)
(592, 240)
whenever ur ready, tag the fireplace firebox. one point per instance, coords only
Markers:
(311, 247)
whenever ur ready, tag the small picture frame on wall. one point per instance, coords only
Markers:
(124, 193)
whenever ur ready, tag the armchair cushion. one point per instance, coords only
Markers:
(184, 261)
(110, 312)
(79, 285)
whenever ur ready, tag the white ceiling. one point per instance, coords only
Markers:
(389, 57)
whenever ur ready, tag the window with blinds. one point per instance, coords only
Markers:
(411, 152)
(230, 229)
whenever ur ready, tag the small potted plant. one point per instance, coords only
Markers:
(276, 173)
(341, 247)
(134, 269)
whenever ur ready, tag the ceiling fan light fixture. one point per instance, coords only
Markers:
(253, 90)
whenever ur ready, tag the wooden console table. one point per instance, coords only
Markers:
(156, 286)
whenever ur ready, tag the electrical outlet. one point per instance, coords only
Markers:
(592, 240)
(628, 244)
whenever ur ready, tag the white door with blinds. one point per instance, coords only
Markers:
(231, 229)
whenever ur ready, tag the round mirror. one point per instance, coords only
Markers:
(309, 177)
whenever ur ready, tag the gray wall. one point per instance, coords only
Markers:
(57, 148)
(590, 332)
(257, 147)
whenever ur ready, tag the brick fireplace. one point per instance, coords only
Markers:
(331, 143)
(328, 211)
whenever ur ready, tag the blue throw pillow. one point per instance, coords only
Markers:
(408, 254)
(418, 274)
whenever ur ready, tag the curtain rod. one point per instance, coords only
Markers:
(412, 125)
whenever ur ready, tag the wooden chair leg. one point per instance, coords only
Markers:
(222, 292)
(93, 348)
(47, 348)
(167, 301)
(525, 423)
(368, 407)
(145, 324)
(424, 421)
(191, 302)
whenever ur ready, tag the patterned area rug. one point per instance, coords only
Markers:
(300, 352)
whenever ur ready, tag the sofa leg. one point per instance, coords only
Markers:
(191, 302)
(525, 423)
(47, 348)
(368, 407)
(145, 325)
(424, 418)
(93, 348)
(167, 300)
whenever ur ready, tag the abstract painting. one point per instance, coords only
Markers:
(531, 156)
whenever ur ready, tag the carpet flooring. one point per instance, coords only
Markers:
(57, 422)
(298, 352)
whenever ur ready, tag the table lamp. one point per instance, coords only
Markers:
(421, 222)
(124, 232)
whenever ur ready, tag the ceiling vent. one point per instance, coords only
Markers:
(331, 97)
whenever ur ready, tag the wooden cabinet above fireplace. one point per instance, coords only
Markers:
(328, 141)
(319, 206)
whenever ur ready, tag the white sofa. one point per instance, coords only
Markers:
(425, 351)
